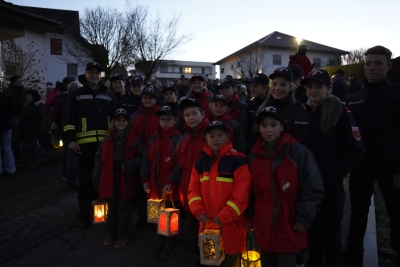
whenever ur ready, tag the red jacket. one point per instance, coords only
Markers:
(187, 152)
(158, 161)
(303, 61)
(103, 173)
(205, 98)
(221, 187)
(145, 123)
(287, 188)
(238, 110)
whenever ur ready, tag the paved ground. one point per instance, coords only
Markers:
(38, 228)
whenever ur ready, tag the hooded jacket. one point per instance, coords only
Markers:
(220, 186)
(145, 123)
(158, 161)
(287, 188)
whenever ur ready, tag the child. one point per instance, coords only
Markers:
(219, 111)
(157, 164)
(187, 152)
(118, 159)
(220, 199)
(287, 188)
(198, 90)
(171, 99)
(337, 147)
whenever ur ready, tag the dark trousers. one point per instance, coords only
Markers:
(119, 218)
(278, 259)
(361, 183)
(169, 241)
(324, 235)
(141, 201)
(71, 168)
(232, 260)
(33, 143)
(193, 234)
(86, 191)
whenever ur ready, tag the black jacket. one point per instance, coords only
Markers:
(130, 103)
(376, 109)
(17, 95)
(340, 89)
(30, 120)
(251, 131)
(6, 109)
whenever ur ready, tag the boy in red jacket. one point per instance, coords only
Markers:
(158, 162)
(187, 152)
(219, 191)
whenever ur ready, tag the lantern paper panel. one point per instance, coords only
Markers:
(211, 247)
(168, 222)
(153, 206)
(100, 211)
(251, 258)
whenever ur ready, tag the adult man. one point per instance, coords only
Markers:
(301, 59)
(17, 95)
(376, 109)
(132, 103)
(353, 83)
(5, 136)
(339, 86)
(86, 118)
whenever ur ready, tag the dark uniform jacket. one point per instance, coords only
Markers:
(340, 89)
(131, 103)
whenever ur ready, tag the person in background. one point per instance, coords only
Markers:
(184, 88)
(242, 92)
(117, 165)
(132, 103)
(339, 87)
(198, 90)
(118, 88)
(301, 59)
(353, 83)
(6, 154)
(171, 99)
(300, 94)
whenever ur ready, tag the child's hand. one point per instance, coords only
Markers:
(168, 189)
(146, 187)
(217, 221)
(203, 218)
(299, 227)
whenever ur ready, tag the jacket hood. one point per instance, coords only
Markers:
(168, 132)
(149, 111)
(225, 149)
(203, 94)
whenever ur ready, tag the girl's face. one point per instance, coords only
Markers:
(120, 123)
(197, 86)
(169, 96)
(228, 92)
(218, 109)
(29, 98)
(193, 117)
(119, 86)
(215, 138)
(317, 92)
(148, 101)
(167, 121)
(271, 129)
(280, 88)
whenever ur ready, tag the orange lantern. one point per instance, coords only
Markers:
(100, 211)
(211, 247)
(168, 221)
(153, 205)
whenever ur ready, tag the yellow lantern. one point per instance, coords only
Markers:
(211, 247)
(251, 258)
(100, 211)
(168, 221)
(153, 205)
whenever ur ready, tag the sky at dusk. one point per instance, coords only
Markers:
(220, 28)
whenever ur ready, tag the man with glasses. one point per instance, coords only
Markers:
(86, 117)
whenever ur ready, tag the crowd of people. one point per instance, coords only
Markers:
(267, 157)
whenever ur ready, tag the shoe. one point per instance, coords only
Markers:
(140, 225)
(168, 252)
(32, 166)
(109, 240)
(83, 224)
(121, 242)
(156, 253)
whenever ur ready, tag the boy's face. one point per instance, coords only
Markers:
(169, 96)
(167, 121)
(317, 92)
(258, 90)
(270, 129)
(218, 108)
(118, 86)
(215, 138)
(376, 67)
(148, 101)
(193, 116)
(136, 89)
(197, 86)
(280, 88)
(227, 91)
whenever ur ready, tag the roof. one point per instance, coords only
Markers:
(282, 40)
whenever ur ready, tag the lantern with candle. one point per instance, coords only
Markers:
(153, 205)
(251, 257)
(168, 221)
(211, 247)
(100, 211)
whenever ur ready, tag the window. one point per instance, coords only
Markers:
(72, 70)
(171, 69)
(222, 70)
(317, 62)
(56, 46)
(180, 69)
(277, 60)
(163, 69)
(203, 71)
(188, 70)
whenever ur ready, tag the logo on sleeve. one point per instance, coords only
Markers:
(285, 186)
(356, 133)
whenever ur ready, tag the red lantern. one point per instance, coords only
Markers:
(168, 221)
(100, 211)
(211, 247)
(153, 205)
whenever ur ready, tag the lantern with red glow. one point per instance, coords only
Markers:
(168, 221)
(211, 247)
(153, 206)
(100, 211)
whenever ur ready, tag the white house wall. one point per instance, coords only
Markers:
(196, 69)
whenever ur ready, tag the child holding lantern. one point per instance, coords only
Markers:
(219, 191)
(157, 164)
(118, 159)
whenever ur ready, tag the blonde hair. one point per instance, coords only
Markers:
(331, 109)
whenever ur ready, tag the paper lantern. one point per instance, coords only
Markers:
(211, 247)
(168, 221)
(251, 258)
(100, 211)
(153, 206)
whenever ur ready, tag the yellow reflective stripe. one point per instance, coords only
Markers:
(69, 127)
(205, 178)
(194, 199)
(102, 132)
(91, 133)
(223, 179)
(89, 140)
(84, 125)
(233, 205)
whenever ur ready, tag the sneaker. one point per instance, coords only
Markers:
(109, 240)
(168, 252)
(156, 253)
(121, 242)
(32, 166)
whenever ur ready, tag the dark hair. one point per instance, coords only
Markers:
(14, 78)
(35, 94)
(379, 50)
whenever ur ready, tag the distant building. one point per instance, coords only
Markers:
(273, 51)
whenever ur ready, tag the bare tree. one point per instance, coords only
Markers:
(251, 62)
(355, 56)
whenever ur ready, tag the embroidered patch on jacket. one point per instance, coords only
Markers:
(167, 159)
(285, 186)
(356, 133)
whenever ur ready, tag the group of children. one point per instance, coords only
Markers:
(276, 189)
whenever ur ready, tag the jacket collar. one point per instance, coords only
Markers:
(200, 129)
(258, 148)
(224, 150)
